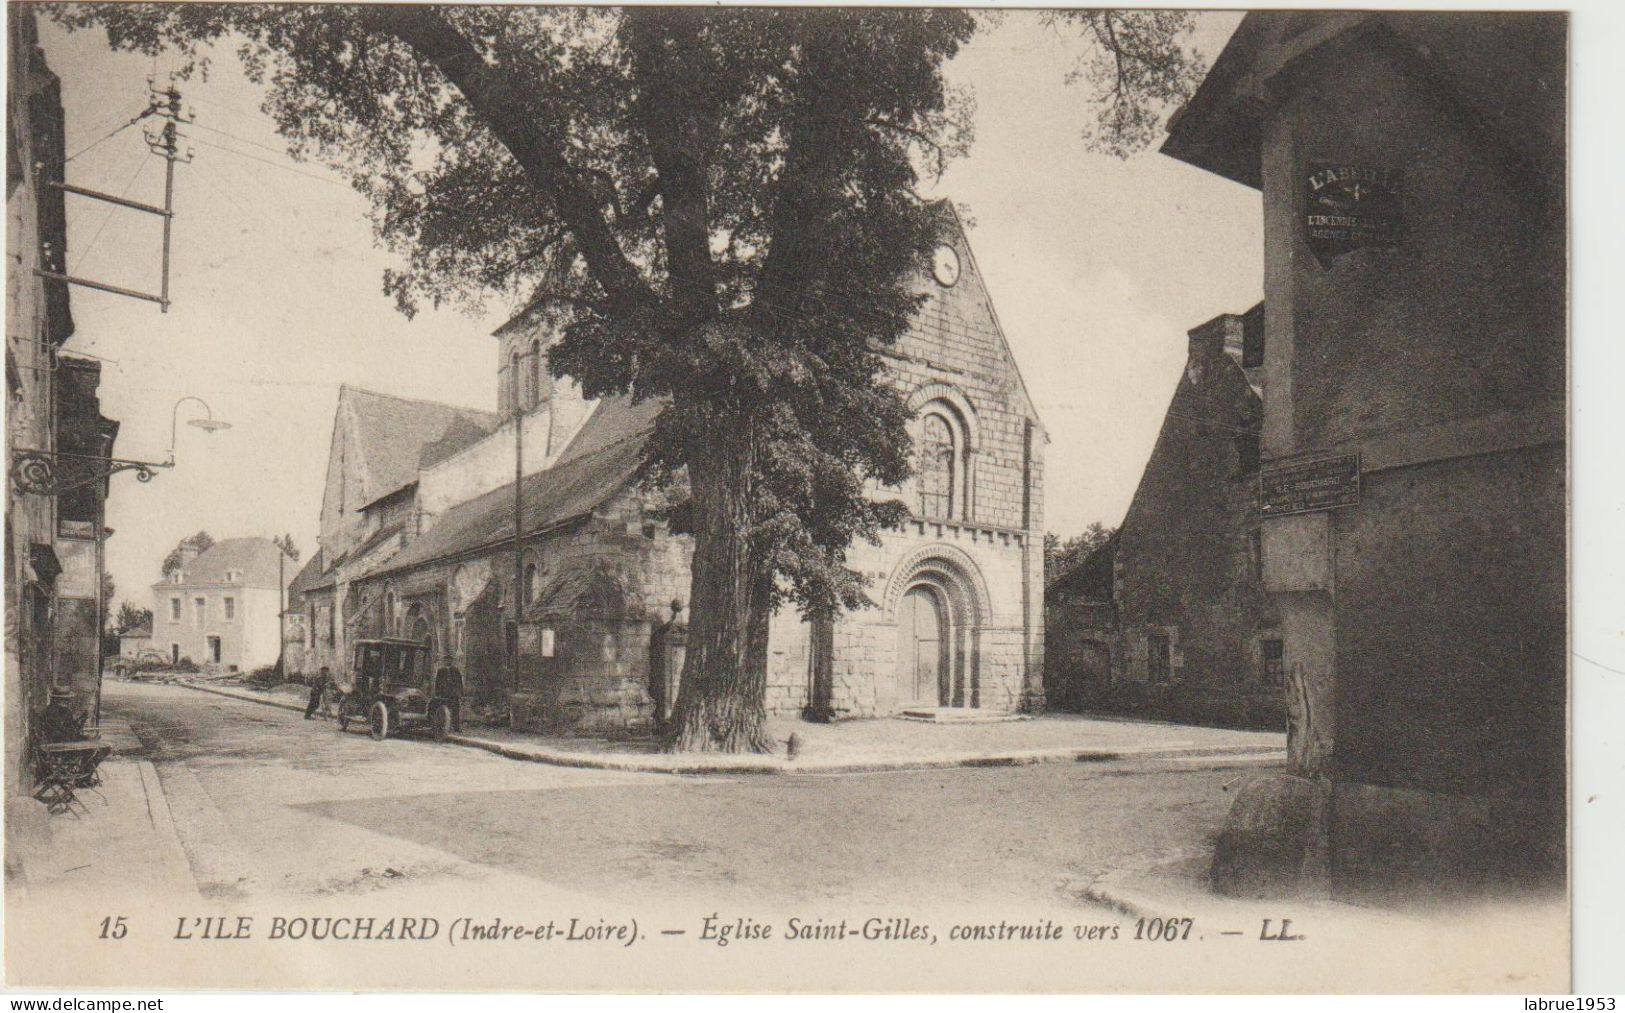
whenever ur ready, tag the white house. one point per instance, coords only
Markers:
(222, 607)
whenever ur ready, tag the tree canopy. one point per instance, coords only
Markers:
(132, 617)
(285, 543)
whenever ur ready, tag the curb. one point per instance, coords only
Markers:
(162, 819)
(589, 761)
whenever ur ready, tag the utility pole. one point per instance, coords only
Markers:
(166, 105)
(518, 515)
(169, 109)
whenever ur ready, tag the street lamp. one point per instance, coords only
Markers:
(53, 472)
(208, 423)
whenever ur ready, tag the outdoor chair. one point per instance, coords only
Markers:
(62, 769)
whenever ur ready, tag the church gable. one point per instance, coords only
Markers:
(978, 439)
(957, 330)
(379, 442)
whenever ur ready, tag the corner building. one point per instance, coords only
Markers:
(1412, 168)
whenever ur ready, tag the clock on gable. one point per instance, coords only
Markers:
(945, 265)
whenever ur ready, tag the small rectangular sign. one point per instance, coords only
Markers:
(66, 528)
(1307, 486)
(536, 640)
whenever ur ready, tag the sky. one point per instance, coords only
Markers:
(1097, 268)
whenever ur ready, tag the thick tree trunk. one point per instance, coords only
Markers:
(721, 698)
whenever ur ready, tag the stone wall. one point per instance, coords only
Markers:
(991, 639)
(596, 681)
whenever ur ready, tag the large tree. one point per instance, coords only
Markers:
(712, 207)
(132, 617)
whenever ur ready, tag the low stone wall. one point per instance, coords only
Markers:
(597, 683)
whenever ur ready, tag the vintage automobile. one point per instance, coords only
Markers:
(392, 688)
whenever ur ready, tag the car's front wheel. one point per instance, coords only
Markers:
(378, 720)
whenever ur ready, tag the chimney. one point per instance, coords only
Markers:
(1221, 334)
(188, 551)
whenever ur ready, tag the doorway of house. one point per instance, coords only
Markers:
(214, 650)
(923, 659)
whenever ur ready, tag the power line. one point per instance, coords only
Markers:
(108, 217)
(241, 140)
(110, 134)
(266, 161)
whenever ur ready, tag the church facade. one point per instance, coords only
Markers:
(577, 625)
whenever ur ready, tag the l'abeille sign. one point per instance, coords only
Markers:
(1351, 206)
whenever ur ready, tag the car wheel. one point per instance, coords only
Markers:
(440, 722)
(378, 720)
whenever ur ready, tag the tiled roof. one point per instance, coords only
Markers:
(598, 463)
(395, 433)
(144, 630)
(309, 577)
(254, 559)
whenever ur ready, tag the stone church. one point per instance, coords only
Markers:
(579, 631)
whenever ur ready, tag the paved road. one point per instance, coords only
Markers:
(267, 803)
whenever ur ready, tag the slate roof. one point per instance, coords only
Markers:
(599, 462)
(255, 557)
(137, 632)
(397, 434)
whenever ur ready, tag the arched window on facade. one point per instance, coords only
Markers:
(533, 583)
(533, 375)
(937, 467)
(391, 620)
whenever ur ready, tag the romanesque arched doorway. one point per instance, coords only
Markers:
(937, 600)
